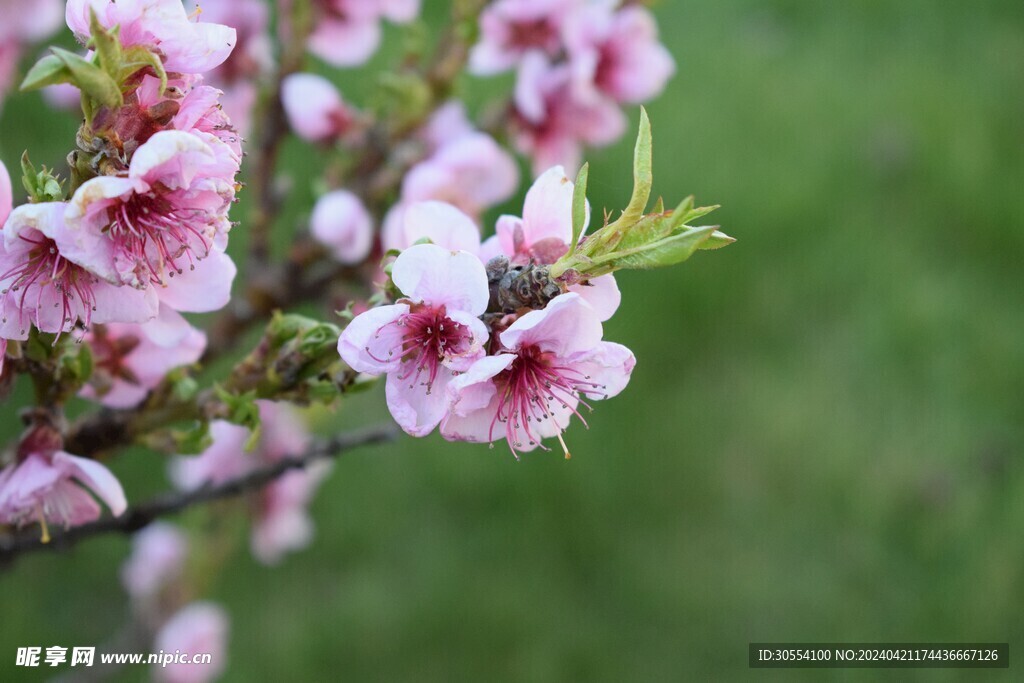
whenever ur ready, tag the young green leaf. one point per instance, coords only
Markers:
(92, 80)
(579, 207)
(643, 174)
(49, 70)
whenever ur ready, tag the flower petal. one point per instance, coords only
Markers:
(432, 274)
(442, 224)
(568, 325)
(205, 288)
(608, 365)
(96, 477)
(368, 343)
(602, 294)
(416, 408)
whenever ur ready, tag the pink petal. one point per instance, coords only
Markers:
(340, 221)
(345, 42)
(547, 211)
(201, 627)
(416, 410)
(206, 288)
(171, 157)
(568, 325)
(608, 365)
(96, 477)
(602, 294)
(6, 194)
(442, 224)
(123, 304)
(473, 402)
(200, 49)
(432, 274)
(311, 103)
(368, 341)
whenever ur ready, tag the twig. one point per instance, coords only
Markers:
(140, 516)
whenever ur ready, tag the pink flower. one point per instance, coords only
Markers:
(441, 223)
(130, 360)
(6, 195)
(167, 220)
(186, 46)
(617, 53)
(550, 362)
(511, 28)
(471, 172)
(348, 32)
(543, 235)
(422, 341)
(55, 277)
(551, 122)
(341, 222)
(50, 486)
(314, 108)
(281, 523)
(198, 628)
(158, 557)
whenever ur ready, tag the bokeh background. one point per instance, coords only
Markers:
(822, 440)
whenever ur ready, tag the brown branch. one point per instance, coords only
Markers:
(140, 516)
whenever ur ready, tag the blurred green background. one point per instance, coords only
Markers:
(822, 439)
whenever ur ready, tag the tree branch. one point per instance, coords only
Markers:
(140, 516)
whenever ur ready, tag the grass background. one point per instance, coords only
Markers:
(822, 439)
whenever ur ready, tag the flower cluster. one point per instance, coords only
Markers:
(576, 61)
(139, 239)
(153, 178)
(463, 351)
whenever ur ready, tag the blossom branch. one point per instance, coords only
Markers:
(140, 516)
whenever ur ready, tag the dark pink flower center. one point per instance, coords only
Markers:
(46, 267)
(538, 33)
(531, 389)
(159, 236)
(428, 337)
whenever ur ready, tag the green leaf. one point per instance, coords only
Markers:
(643, 174)
(91, 79)
(667, 252)
(138, 57)
(49, 70)
(579, 207)
(106, 44)
(718, 240)
(194, 440)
